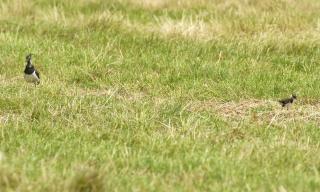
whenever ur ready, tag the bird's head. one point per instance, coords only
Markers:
(294, 96)
(28, 57)
(28, 60)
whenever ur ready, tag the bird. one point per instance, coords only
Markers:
(288, 101)
(31, 75)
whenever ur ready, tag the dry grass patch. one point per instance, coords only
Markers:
(188, 28)
(161, 4)
(58, 16)
(201, 30)
(261, 111)
(237, 7)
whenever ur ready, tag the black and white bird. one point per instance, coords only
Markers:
(288, 101)
(31, 75)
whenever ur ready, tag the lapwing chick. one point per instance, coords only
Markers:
(288, 101)
(31, 75)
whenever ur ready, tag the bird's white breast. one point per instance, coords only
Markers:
(31, 78)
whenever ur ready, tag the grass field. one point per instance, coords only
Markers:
(160, 95)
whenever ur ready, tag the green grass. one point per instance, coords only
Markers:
(160, 95)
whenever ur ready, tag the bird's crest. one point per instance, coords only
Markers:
(28, 60)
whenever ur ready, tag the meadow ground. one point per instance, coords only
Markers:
(160, 95)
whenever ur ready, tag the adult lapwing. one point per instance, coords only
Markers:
(288, 101)
(31, 75)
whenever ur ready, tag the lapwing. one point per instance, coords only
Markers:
(31, 75)
(288, 101)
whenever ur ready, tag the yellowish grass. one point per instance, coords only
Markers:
(188, 28)
(161, 4)
(117, 93)
(241, 6)
(264, 25)
(269, 19)
(15, 8)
